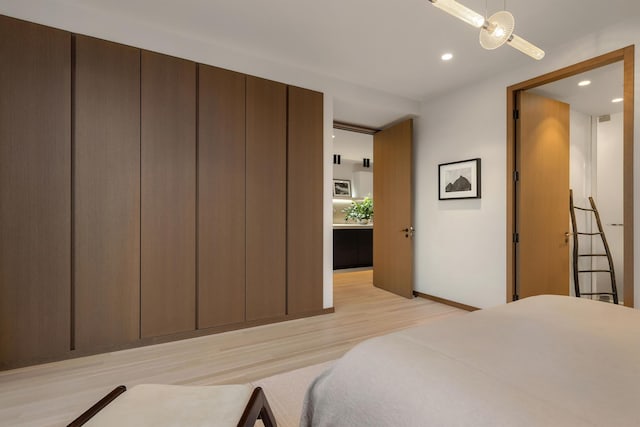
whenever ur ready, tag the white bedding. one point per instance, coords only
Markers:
(541, 361)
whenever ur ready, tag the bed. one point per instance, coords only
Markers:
(541, 361)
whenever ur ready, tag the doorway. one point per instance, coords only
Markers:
(514, 213)
(352, 188)
(391, 245)
(595, 170)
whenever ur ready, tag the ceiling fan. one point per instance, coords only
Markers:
(495, 30)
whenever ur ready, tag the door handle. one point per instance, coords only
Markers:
(409, 232)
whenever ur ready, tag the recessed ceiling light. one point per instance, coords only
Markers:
(447, 56)
(584, 83)
(616, 100)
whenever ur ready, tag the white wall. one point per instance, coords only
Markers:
(352, 145)
(461, 245)
(580, 172)
(327, 216)
(344, 171)
(609, 198)
(363, 183)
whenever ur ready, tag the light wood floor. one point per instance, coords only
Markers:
(55, 393)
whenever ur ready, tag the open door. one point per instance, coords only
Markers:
(392, 195)
(625, 55)
(542, 196)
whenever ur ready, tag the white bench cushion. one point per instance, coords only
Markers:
(174, 405)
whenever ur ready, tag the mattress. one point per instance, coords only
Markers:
(541, 361)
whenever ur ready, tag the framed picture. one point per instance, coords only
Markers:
(459, 180)
(341, 188)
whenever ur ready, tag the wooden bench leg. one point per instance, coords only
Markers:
(257, 408)
(86, 415)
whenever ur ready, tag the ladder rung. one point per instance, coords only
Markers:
(607, 253)
(594, 271)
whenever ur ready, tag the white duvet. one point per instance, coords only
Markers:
(541, 361)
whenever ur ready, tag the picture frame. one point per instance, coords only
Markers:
(342, 188)
(459, 180)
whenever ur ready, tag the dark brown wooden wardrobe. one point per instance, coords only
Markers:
(146, 198)
(168, 186)
(221, 197)
(35, 191)
(304, 201)
(266, 132)
(106, 189)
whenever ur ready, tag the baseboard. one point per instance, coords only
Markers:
(446, 301)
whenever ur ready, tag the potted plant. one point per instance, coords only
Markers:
(361, 212)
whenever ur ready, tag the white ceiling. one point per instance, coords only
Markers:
(391, 46)
(352, 145)
(607, 83)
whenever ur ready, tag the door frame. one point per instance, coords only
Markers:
(627, 55)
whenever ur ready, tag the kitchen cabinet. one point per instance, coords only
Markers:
(352, 247)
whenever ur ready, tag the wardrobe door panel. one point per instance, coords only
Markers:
(266, 198)
(168, 186)
(35, 192)
(221, 197)
(304, 201)
(106, 193)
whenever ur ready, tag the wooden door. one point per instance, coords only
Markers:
(35, 192)
(542, 196)
(221, 197)
(393, 209)
(304, 201)
(266, 188)
(168, 188)
(106, 193)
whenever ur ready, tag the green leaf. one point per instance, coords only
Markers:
(359, 211)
